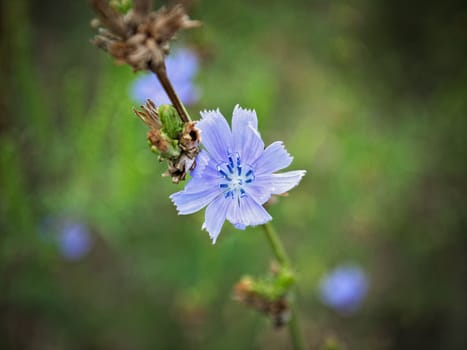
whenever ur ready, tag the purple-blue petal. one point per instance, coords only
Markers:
(204, 166)
(215, 216)
(284, 182)
(260, 189)
(74, 241)
(189, 202)
(215, 135)
(209, 180)
(247, 212)
(147, 86)
(246, 138)
(240, 226)
(344, 288)
(241, 117)
(274, 158)
(182, 64)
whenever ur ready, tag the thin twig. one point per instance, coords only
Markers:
(161, 73)
(281, 256)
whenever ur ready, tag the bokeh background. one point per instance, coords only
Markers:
(369, 96)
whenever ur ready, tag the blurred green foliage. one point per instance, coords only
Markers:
(370, 98)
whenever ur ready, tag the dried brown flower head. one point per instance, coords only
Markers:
(140, 37)
(277, 309)
(180, 148)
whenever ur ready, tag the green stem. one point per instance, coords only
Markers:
(161, 73)
(281, 256)
(276, 244)
(294, 328)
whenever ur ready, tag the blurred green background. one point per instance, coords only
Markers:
(369, 96)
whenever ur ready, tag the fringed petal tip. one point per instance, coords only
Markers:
(238, 108)
(176, 199)
(284, 182)
(244, 116)
(212, 236)
(209, 113)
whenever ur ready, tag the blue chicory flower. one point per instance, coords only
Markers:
(74, 240)
(182, 66)
(344, 288)
(234, 175)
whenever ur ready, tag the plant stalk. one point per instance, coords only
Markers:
(161, 73)
(281, 256)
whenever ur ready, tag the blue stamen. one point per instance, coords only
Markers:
(223, 173)
(235, 176)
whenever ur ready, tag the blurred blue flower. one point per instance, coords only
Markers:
(182, 66)
(344, 288)
(74, 240)
(234, 175)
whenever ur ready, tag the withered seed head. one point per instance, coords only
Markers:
(189, 141)
(278, 309)
(180, 152)
(139, 38)
(149, 115)
(157, 140)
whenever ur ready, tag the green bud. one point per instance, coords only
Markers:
(331, 344)
(172, 125)
(273, 286)
(122, 6)
(172, 150)
(285, 279)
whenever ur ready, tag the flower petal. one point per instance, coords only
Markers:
(148, 86)
(215, 134)
(208, 181)
(284, 182)
(240, 227)
(182, 65)
(202, 161)
(247, 212)
(246, 138)
(215, 217)
(274, 158)
(260, 189)
(189, 202)
(242, 116)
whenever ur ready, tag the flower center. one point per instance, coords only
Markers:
(234, 177)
